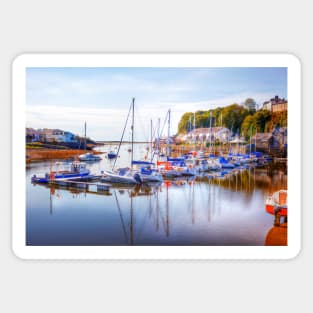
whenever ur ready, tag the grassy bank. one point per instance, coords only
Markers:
(49, 154)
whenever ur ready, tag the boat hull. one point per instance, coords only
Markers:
(89, 158)
(272, 209)
(116, 178)
(50, 177)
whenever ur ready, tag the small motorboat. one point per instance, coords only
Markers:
(147, 171)
(112, 155)
(77, 170)
(276, 203)
(89, 157)
(166, 169)
(121, 176)
(225, 163)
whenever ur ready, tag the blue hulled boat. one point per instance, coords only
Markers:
(77, 170)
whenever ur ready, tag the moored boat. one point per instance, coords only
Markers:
(112, 155)
(77, 169)
(121, 176)
(167, 170)
(225, 163)
(147, 171)
(89, 157)
(277, 203)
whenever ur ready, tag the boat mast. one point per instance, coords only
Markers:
(119, 146)
(132, 129)
(221, 149)
(210, 132)
(250, 138)
(256, 130)
(151, 154)
(168, 132)
(85, 137)
(158, 139)
(194, 127)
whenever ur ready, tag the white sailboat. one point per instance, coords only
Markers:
(88, 156)
(124, 175)
(147, 170)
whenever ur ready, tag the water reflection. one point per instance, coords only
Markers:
(193, 211)
(248, 180)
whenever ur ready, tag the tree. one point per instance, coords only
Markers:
(247, 125)
(233, 116)
(184, 125)
(250, 104)
(260, 119)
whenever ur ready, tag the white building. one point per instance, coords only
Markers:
(201, 135)
(51, 135)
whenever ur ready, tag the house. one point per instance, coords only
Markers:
(165, 140)
(267, 105)
(32, 135)
(201, 135)
(262, 141)
(277, 139)
(49, 135)
(280, 137)
(276, 104)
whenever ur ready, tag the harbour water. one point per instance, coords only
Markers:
(202, 211)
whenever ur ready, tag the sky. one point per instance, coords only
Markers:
(66, 98)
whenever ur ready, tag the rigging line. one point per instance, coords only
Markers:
(154, 136)
(119, 146)
(164, 123)
(121, 216)
(141, 124)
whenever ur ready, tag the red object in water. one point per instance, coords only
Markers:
(277, 203)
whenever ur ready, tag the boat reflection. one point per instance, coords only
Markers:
(248, 180)
(181, 211)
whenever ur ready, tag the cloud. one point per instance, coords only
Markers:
(58, 88)
(108, 123)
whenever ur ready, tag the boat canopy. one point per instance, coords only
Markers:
(142, 163)
(181, 159)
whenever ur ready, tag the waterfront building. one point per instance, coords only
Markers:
(204, 135)
(275, 140)
(49, 135)
(276, 104)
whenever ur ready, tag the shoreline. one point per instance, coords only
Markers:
(50, 154)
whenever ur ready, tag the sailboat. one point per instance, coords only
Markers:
(147, 170)
(88, 156)
(164, 165)
(124, 175)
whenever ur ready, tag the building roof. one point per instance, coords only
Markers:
(262, 136)
(202, 130)
(31, 131)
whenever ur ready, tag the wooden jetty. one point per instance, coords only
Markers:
(82, 184)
